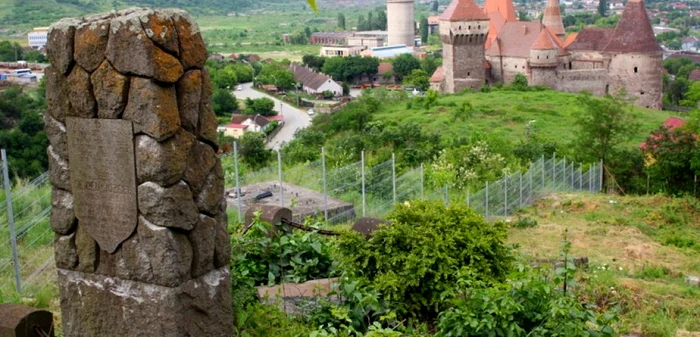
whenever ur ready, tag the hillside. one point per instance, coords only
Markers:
(504, 114)
(19, 16)
(641, 249)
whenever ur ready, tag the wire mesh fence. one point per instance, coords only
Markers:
(317, 189)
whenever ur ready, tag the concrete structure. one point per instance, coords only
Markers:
(388, 51)
(342, 51)
(313, 82)
(597, 60)
(37, 38)
(463, 31)
(552, 18)
(330, 38)
(400, 22)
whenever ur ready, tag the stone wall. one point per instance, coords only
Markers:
(159, 268)
(504, 69)
(593, 80)
(640, 75)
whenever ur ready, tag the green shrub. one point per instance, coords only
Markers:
(651, 273)
(525, 222)
(415, 262)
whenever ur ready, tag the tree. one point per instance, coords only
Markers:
(253, 151)
(370, 21)
(419, 79)
(678, 89)
(520, 81)
(361, 23)
(224, 103)
(429, 64)
(10, 51)
(424, 29)
(673, 153)
(34, 56)
(604, 125)
(341, 21)
(404, 64)
(380, 21)
(313, 62)
(692, 96)
(684, 71)
(260, 106)
(602, 7)
(346, 89)
(434, 6)
(307, 31)
(523, 16)
(224, 78)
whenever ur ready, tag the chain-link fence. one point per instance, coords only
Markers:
(26, 250)
(337, 194)
(344, 193)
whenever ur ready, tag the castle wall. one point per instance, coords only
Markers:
(641, 75)
(593, 80)
(588, 60)
(543, 76)
(504, 69)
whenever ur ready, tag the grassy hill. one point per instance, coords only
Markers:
(640, 248)
(504, 114)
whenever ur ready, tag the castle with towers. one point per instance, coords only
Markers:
(490, 45)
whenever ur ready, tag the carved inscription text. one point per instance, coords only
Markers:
(103, 178)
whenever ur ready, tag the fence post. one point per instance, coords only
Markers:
(554, 169)
(580, 176)
(11, 221)
(520, 177)
(325, 182)
(487, 200)
(600, 183)
(393, 175)
(505, 196)
(279, 168)
(422, 183)
(590, 179)
(563, 171)
(364, 198)
(529, 190)
(239, 207)
(542, 186)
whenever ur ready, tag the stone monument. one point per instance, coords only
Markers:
(138, 208)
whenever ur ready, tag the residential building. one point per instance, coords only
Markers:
(342, 51)
(690, 43)
(313, 82)
(37, 38)
(240, 124)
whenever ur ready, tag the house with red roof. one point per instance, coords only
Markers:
(240, 124)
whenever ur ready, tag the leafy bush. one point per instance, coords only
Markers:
(414, 264)
(530, 305)
(525, 222)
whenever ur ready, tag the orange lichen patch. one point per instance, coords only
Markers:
(166, 67)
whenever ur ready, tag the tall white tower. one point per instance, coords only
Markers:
(400, 22)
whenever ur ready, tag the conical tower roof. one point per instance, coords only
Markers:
(544, 41)
(504, 7)
(633, 33)
(552, 18)
(463, 10)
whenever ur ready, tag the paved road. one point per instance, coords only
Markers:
(293, 118)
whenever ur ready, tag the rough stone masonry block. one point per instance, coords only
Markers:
(96, 305)
(141, 244)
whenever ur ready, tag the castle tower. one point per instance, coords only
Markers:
(544, 59)
(552, 18)
(635, 57)
(463, 31)
(400, 22)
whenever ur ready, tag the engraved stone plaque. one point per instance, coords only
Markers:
(103, 178)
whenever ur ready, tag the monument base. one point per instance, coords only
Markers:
(96, 305)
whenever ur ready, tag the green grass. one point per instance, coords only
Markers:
(504, 114)
(633, 265)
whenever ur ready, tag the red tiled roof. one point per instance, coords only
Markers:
(515, 39)
(434, 20)
(463, 10)
(496, 23)
(275, 118)
(437, 75)
(552, 17)
(504, 7)
(694, 75)
(384, 67)
(544, 42)
(569, 39)
(633, 33)
(237, 126)
(238, 119)
(591, 39)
